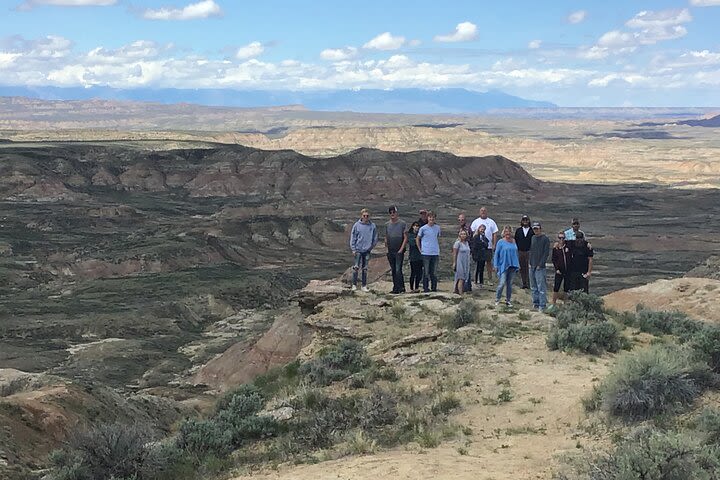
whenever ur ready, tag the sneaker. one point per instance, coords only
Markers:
(365, 289)
(497, 303)
(508, 304)
(540, 309)
(353, 288)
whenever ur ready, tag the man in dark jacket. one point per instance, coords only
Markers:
(523, 236)
(539, 253)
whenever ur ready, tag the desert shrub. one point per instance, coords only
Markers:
(581, 325)
(245, 400)
(378, 409)
(106, 452)
(320, 427)
(466, 314)
(655, 455)
(655, 380)
(706, 344)
(664, 322)
(358, 443)
(335, 364)
(278, 378)
(366, 378)
(708, 422)
(204, 437)
(445, 404)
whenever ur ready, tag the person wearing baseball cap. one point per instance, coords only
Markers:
(539, 253)
(523, 236)
(423, 217)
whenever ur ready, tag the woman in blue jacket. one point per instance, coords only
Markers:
(505, 263)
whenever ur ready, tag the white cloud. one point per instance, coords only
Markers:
(251, 50)
(649, 28)
(632, 79)
(534, 44)
(338, 54)
(705, 3)
(202, 9)
(7, 58)
(464, 32)
(385, 41)
(27, 5)
(577, 17)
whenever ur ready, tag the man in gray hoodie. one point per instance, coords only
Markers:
(539, 252)
(363, 238)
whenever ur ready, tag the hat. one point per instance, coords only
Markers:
(422, 210)
(524, 217)
(536, 225)
(392, 209)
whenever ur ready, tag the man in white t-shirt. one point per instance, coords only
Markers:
(491, 233)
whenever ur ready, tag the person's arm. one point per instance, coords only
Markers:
(418, 240)
(495, 259)
(405, 241)
(455, 254)
(353, 240)
(375, 237)
(590, 262)
(494, 239)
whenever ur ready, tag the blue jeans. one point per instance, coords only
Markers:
(361, 263)
(505, 281)
(538, 284)
(430, 263)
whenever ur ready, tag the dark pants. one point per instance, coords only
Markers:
(561, 279)
(430, 263)
(480, 271)
(578, 282)
(396, 264)
(416, 274)
(524, 275)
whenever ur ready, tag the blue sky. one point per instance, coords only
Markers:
(573, 53)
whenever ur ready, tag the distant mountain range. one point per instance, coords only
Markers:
(404, 100)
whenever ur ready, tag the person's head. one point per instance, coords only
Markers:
(462, 235)
(365, 215)
(525, 221)
(393, 212)
(483, 213)
(461, 219)
(579, 238)
(431, 217)
(482, 228)
(537, 228)
(575, 224)
(561, 236)
(507, 232)
(415, 227)
(424, 214)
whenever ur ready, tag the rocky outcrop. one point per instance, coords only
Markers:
(710, 268)
(242, 362)
(695, 296)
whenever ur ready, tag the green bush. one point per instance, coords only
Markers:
(655, 380)
(322, 426)
(654, 455)
(706, 344)
(708, 422)
(378, 409)
(108, 451)
(337, 363)
(581, 325)
(205, 437)
(664, 322)
(466, 314)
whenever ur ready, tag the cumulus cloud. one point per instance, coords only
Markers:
(464, 32)
(27, 5)
(577, 17)
(338, 54)
(705, 3)
(648, 28)
(251, 50)
(629, 78)
(202, 9)
(385, 41)
(534, 44)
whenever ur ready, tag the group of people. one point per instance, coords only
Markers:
(480, 246)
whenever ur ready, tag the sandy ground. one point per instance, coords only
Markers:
(519, 439)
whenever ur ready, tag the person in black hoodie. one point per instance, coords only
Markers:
(561, 262)
(479, 252)
(581, 263)
(523, 239)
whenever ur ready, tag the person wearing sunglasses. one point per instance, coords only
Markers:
(560, 260)
(363, 238)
